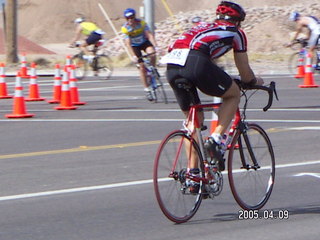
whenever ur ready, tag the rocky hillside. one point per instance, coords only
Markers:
(267, 28)
(50, 23)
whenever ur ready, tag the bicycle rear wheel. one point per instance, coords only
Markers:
(103, 66)
(81, 66)
(170, 176)
(251, 167)
(160, 93)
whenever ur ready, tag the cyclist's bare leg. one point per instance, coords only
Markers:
(143, 76)
(228, 108)
(83, 47)
(152, 56)
(193, 159)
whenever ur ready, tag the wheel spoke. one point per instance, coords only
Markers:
(170, 177)
(251, 169)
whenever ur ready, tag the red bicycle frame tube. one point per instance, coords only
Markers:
(194, 120)
(194, 123)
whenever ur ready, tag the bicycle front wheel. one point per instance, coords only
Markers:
(293, 63)
(170, 177)
(160, 93)
(103, 66)
(251, 167)
(81, 66)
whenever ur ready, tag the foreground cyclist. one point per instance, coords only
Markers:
(138, 38)
(190, 58)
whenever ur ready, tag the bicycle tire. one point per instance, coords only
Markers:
(81, 66)
(160, 91)
(169, 177)
(103, 64)
(293, 63)
(251, 188)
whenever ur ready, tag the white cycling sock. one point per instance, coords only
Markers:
(217, 138)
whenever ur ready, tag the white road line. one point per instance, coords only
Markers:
(157, 120)
(73, 190)
(317, 175)
(304, 128)
(117, 185)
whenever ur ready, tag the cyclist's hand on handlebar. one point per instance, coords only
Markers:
(260, 81)
(288, 44)
(246, 85)
(73, 45)
(134, 59)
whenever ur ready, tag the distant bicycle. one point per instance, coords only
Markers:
(158, 92)
(100, 64)
(300, 56)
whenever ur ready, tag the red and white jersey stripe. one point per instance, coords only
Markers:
(214, 39)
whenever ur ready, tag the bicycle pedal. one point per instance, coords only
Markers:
(221, 165)
(203, 128)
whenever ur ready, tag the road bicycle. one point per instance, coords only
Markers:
(100, 64)
(250, 163)
(154, 79)
(299, 57)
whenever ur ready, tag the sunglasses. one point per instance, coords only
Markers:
(131, 17)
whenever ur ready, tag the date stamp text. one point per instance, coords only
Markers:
(263, 214)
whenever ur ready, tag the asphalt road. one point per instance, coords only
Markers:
(86, 174)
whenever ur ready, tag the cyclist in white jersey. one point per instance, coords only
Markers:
(312, 24)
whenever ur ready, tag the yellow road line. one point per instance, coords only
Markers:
(79, 149)
(103, 147)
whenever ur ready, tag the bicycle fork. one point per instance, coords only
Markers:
(245, 165)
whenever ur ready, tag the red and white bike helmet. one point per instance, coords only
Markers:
(230, 11)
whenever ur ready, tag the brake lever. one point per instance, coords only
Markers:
(275, 93)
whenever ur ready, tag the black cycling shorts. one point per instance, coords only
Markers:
(137, 49)
(93, 38)
(202, 74)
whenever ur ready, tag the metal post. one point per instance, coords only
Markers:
(11, 31)
(149, 13)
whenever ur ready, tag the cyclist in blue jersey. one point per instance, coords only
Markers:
(138, 38)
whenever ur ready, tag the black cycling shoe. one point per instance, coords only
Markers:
(214, 150)
(194, 187)
(149, 96)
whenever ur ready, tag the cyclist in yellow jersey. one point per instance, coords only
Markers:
(138, 38)
(88, 29)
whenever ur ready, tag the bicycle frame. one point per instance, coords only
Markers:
(302, 53)
(193, 126)
(184, 175)
(193, 120)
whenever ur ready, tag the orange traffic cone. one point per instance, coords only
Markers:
(300, 68)
(19, 109)
(3, 84)
(24, 69)
(56, 85)
(33, 86)
(214, 120)
(68, 62)
(65, 101)
(308, 77)
(73, 87)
